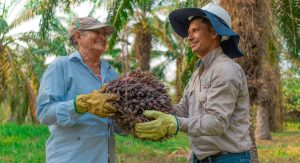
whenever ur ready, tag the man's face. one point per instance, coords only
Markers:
(93, 40)
(201, 37)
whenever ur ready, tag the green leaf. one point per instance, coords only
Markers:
(3, 26)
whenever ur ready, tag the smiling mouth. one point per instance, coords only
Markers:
(99, 42)
(193, 44)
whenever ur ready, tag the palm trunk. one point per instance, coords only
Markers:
(124, 53)
(1, 47)
(31, 96)
(143, 45)
(32, 99)
(262, 123)
(275, 108)
(178, 80)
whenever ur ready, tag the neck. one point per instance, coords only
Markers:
(90, 59)
(201, 55)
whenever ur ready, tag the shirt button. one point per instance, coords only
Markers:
(78, 138)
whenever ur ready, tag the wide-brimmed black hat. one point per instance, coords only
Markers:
(218, 18)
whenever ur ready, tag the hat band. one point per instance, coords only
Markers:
(77, 23)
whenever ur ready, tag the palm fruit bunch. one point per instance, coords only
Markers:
(138, 91)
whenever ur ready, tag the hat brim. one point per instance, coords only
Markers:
(180, 22)
(108, 29)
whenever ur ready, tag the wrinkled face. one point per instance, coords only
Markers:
(92, 40)
(201, 37)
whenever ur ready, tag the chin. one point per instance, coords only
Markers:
(195, 50)
(100, 50)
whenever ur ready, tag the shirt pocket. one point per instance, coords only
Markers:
(203, 92)
(203, 96)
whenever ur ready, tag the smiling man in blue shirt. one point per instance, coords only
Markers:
(69, 103)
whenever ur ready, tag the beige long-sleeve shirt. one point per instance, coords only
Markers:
(214, 109)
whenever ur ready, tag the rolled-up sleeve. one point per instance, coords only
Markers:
(52, 107)
(220, 103)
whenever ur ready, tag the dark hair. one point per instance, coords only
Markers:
(202, 19)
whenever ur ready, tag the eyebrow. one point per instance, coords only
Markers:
(193, 28)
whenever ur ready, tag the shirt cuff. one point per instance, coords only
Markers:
(65, 113)
(183, 124)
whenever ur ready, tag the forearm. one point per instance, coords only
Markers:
(206, 125)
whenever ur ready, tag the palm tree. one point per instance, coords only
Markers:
(140, 11)
(22, 66)
(16, 85)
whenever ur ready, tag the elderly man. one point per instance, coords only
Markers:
(68, 102)
(214, 109)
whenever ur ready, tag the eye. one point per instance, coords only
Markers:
(197, 30)
(99, 33)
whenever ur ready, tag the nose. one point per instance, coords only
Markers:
(102, 37)
(190, 37)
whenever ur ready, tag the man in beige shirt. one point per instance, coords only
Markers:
(214, 109)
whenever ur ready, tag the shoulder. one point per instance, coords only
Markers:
(227, 69)
(58, 62)
(63, 60)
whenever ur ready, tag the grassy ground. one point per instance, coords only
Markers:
(26, 143)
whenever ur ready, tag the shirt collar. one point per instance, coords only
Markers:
(210, 57)
(76, 56)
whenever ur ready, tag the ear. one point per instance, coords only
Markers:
(77, 35)
(214, 34)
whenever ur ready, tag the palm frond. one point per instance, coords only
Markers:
(159, 32)
(119, 12)
(24, 16)
(145, 5)
(3, 29)
(288, 14)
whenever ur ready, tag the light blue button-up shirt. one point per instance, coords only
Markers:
(81, 138)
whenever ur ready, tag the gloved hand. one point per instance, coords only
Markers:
(96, 103)
(164, 124)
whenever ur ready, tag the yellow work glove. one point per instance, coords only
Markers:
(162, 125)
(96, 103)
